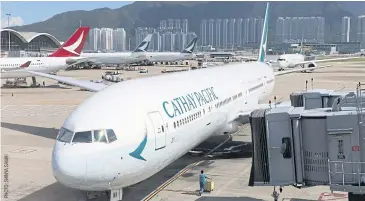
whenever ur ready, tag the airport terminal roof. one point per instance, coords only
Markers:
(27, 37)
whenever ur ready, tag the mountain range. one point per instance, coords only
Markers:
(149, 14)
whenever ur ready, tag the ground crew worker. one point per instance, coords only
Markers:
(202, 180)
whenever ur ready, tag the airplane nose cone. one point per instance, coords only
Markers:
(68, 167)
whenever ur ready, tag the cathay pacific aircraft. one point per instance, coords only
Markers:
(129, 131)
(186, 53)
(299, 59)
(139, 54)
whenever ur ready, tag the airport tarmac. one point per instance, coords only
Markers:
(30, 118)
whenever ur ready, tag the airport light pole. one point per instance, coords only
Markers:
(8, 14)
(129, 44)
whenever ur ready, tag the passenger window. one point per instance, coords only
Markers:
(174, 124)
(177, 123)
(65, 135)
(162, 129)
(83, 137)
(100, 136)
(111, 135)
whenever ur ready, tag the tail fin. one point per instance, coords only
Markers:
(190, 47)
(143, 46)
(262, 52)
(301, 47)
(74, 45)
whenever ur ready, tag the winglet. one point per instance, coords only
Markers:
(262, 52)
(26, 64)
(190, 47)
(143, 46)
(74, 45)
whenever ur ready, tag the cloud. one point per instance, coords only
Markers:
(13, 21)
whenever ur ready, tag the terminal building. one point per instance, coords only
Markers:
(339, 47)
(27, 41)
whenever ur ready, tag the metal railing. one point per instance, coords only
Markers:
(358, 175)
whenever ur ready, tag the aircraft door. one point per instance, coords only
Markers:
(159, 129)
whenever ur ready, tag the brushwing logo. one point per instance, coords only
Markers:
(189, 49)
(137, 153)
(72, 48)
(142, 47)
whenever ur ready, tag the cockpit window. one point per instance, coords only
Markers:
(111, 135)
(65, 135)
(83, 137)
(281, 59)
(100, 136)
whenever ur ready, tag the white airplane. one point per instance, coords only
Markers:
(118, 57)
(293, 60)
(185, 54)
(129, 131)
(59, 60)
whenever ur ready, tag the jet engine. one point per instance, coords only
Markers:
(310, 65)
(70, 61)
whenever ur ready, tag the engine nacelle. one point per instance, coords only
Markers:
(310, 65)
(228, 129)
(70, 61)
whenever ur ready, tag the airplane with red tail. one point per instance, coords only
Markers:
(18, 67)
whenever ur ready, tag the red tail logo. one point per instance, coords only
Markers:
(74, 45)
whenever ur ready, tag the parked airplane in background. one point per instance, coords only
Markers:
(299, 59)
(59, 60)
(187, 53)
(118, 57)
(138, 138)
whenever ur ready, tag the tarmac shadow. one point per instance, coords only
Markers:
(50, 133)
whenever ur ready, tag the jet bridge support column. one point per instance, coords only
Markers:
(34, 82)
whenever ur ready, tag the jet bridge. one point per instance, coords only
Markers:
(319, 140)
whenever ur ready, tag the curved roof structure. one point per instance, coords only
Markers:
(27, 37)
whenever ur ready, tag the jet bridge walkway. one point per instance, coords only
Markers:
(319, 140)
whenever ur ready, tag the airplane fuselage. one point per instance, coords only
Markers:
(167, 56)
(155, 123)
(114, 58)
(10, 66)
(290, 60)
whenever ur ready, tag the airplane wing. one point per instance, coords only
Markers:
(244, 114)
(324, 60)
(78, 60)
(91, 86)
(278, 73)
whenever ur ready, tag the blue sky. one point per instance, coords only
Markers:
(28, 12)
